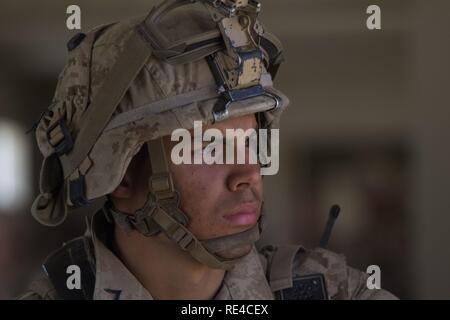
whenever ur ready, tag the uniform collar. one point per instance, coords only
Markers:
(246, 281)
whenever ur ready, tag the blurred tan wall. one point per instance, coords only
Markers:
(430, 110)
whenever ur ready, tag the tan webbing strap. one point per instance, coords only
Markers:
(161, 186)
(261, 103)
(237, 240)
(166, 104)
(160, 182)
(129, 63)
(280, 275)
(187, 241)
(196, 54)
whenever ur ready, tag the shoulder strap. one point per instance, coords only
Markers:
(280, 266)
(79, 252)
(287, 286)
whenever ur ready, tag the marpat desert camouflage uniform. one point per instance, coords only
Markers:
(246, 281)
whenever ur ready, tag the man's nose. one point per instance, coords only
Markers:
(244, 176)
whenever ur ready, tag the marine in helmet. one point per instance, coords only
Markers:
(171, 231)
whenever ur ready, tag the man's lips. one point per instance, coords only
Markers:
(243, 215)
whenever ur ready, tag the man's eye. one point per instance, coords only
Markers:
(253, 137)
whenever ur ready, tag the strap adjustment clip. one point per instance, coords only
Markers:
(59, 137)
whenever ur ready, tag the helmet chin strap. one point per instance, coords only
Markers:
(161, 212)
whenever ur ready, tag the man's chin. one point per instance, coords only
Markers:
(235, 252)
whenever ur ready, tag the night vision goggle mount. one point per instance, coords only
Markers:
(230, 7)
(242, 57)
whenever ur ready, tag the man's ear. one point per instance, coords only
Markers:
(136, 177)
(124, 190)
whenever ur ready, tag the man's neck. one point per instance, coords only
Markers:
(163, 269)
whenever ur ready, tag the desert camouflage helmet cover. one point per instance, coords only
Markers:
(130, 83)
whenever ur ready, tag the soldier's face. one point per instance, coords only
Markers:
(219, 199)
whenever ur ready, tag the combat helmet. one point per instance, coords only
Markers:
(128, 84)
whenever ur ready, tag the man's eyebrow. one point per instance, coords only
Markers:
(214, 139)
